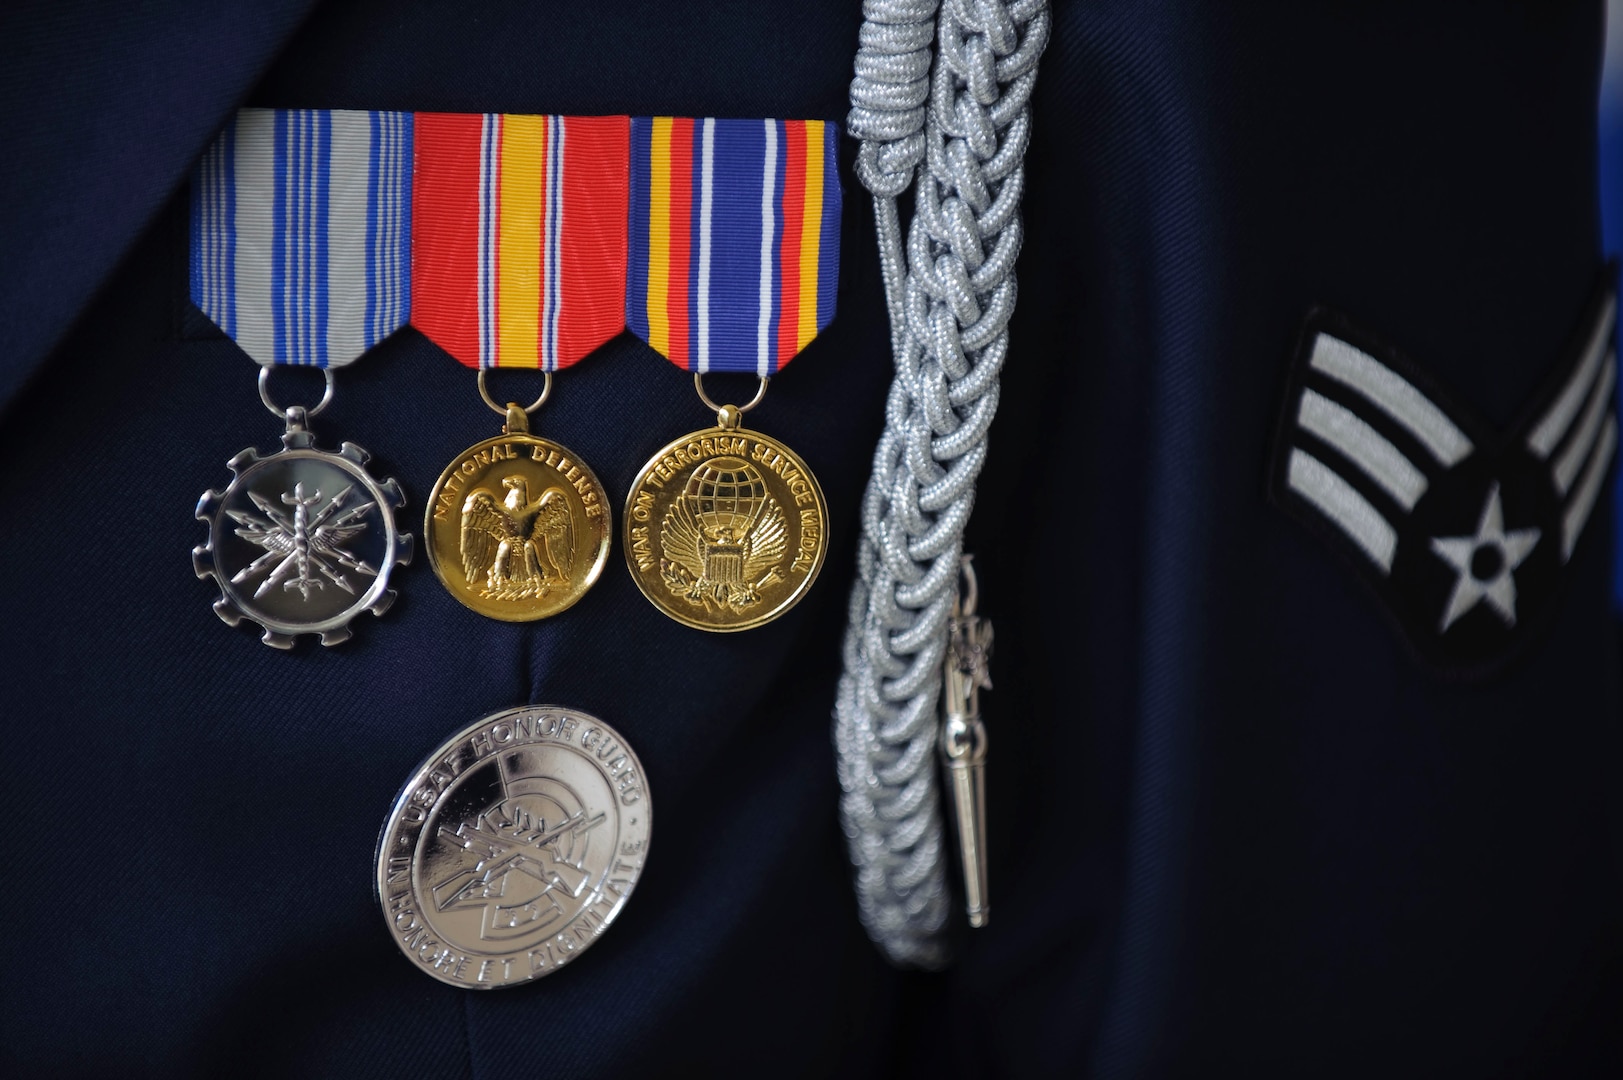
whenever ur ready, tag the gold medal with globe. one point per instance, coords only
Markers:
(733, 268)
(725, 528)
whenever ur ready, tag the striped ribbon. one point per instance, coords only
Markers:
(301, 232)
(734, 239)
(517, 241)
(520, 249)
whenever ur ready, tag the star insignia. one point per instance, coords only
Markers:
(1375, 455)
(1485, 563)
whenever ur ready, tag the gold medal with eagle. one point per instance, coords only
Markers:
(734, 262)
(518, 527)
(518, 261)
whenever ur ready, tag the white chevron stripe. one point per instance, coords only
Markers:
(1550, 429)
(1363, 446)
(1587, 428)
(1393, 395)
(1349, 511)
(1582, 503)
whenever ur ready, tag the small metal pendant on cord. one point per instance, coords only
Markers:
(734, 265)
(299, 253)
(963, 737)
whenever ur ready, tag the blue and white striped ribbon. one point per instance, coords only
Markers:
(301, 232)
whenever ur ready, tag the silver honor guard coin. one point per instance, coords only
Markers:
(303, 540)
(513, 847)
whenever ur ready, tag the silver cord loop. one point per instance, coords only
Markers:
(277, 410)
(501, 410)
(953, 128)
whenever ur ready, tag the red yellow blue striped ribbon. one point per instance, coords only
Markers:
(734, 239)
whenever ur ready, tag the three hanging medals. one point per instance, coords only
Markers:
(527, 242)
(524, 242)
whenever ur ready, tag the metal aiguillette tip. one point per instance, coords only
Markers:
(963, 739)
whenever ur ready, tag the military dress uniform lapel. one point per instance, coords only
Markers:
(105, 144)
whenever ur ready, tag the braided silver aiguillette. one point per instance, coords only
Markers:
(950, 294)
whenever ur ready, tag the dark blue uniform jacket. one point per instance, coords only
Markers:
(1238, 829)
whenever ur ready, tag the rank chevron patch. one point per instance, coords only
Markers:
(1463, 532)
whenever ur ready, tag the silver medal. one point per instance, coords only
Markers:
(303, 540)
(513, 847)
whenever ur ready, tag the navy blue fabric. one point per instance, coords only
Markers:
(1235, 827)
(1295, 851)
(103, 109)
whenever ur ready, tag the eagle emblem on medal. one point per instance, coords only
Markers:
(514, 548)
(518, 527)
(725, 529)
(724, 540)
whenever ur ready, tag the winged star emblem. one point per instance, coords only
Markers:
(306, 546)
(724, 537)
(518, 549)
(1463, 531)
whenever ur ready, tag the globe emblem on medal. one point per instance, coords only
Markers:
(726, 497)
(725, 537)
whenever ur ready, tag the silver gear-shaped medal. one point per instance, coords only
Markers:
(302, 540)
